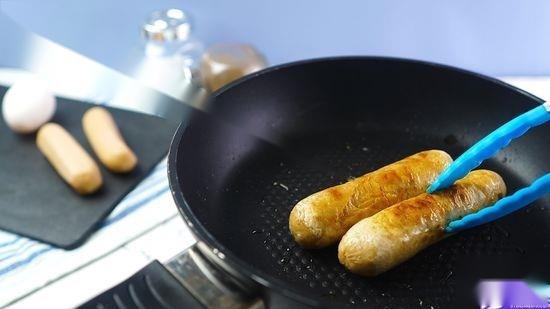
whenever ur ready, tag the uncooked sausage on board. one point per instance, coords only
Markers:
(68, 158)
(107, 141)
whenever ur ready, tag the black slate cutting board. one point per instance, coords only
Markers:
(35, 202)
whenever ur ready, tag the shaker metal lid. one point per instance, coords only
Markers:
(166, 26)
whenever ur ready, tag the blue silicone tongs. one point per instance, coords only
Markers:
(486, 148)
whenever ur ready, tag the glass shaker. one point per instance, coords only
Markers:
(172, 56)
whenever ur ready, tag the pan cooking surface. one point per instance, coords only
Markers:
(427, 280)
(341, 118)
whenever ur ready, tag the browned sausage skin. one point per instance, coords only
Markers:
(322, 218)
(392, 236)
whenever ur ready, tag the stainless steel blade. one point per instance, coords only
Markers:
(66, 69)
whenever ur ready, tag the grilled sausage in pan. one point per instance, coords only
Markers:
(322, 218)
(380, 242)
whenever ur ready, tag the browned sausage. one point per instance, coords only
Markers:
(392, 236)
(322, 218)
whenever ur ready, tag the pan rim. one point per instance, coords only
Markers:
(372, 58)
(202, 234)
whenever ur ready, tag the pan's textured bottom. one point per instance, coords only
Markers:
(428, 280)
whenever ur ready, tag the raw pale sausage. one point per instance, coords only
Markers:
(105, 138)
(68, 158)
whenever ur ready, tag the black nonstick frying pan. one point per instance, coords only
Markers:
(336, 118)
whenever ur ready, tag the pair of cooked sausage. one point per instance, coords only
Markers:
(384, 217)
(73, 163)
(322, 218)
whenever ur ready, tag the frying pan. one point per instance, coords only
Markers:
(322, 122)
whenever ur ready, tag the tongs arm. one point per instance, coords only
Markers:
(486, 148)
(507, 205)
(490, 145)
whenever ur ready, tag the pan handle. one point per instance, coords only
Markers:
(189, 280)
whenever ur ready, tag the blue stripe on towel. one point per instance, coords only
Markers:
(11, 242)
(18, 251)
(24, 262)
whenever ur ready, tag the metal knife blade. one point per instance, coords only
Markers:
(69, 70)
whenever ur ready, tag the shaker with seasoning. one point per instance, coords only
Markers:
(226, 62)
(172, 55)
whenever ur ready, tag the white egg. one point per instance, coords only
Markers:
(27, 105)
